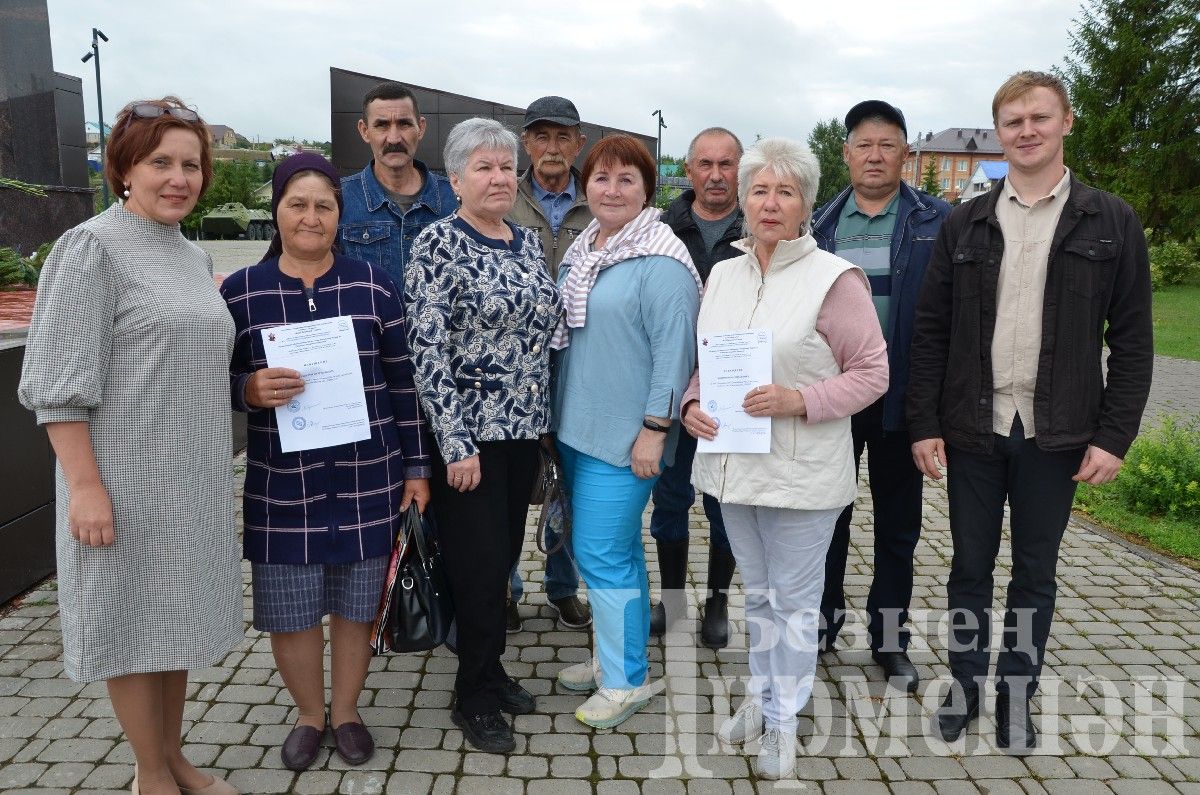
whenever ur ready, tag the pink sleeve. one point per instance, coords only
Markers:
(849, 324)
(693, 389)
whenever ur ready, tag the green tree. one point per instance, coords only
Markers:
(929, 177)
(1134, 76)
(825, 141)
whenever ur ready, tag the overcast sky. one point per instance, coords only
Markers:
(769, 67)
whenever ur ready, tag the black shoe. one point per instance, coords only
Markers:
(512, 618)
(489, 733)
(1010, 736)
(898, 669)
(516, 700)
(573, 613)
(658, 620)
(714, 628)
(957, 711)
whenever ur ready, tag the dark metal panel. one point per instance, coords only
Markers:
(28, 558)
(26, 465)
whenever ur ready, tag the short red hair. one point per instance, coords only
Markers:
(623, 150)
(134, 138)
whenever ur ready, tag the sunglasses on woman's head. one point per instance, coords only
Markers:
(148, 110)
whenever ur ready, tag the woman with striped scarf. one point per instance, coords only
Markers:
(625, 349)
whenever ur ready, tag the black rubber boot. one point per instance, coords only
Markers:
(714, 629)
(672, 569)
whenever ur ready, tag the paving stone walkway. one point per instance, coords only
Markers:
(1119, 709)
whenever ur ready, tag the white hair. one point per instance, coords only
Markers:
(472, 134)
(785, 159)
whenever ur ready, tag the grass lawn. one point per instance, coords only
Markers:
(1177, 321)
(1173, 537)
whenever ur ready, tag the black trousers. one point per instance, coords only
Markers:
(480, 533)
(1039, 490)
(896, 499)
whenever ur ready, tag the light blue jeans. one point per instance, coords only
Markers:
(607, 504)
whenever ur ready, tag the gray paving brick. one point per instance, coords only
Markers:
(476, 764)
(263, 781)
(427, 761)
(841, 787)
(318, 782)
(20, 775)
(64, 774)
(409, 783)
(549, 787)
(75, 750)
(475, 785)
(1059, 786)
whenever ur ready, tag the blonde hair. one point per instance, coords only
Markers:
(1022, 83)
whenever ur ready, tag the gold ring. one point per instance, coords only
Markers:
(275, 394)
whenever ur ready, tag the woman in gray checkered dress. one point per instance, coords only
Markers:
(127, 367)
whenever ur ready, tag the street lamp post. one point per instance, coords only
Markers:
(97, 36)
(658, 146)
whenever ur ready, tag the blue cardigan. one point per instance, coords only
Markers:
(334, 504)
(631, 359)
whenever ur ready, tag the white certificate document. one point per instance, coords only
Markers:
(731, 364)
(332, 409)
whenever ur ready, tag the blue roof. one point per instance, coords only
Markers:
(993, 169)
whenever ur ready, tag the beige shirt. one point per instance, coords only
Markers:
(1017, 342)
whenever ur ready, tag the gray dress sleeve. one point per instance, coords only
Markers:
(68, 349)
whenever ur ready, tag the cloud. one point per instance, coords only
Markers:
(770, 67)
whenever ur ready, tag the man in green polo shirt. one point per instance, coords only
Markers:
(888, 229)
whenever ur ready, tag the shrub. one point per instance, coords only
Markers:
(1161, 474)
(16, 270)
(1172, 262)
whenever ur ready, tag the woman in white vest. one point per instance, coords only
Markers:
(828, 361)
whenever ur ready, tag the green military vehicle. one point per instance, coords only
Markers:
(233, 220)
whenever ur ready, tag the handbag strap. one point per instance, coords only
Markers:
(414, 531)
(555, 490)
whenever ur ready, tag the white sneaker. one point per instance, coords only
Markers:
(744, 725)
(611, 706)
(776, 755)
(581, 677)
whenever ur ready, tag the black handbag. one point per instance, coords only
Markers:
(415, 611)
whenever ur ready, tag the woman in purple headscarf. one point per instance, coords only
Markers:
(319, 523)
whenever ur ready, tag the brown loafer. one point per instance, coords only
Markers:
(301, 747)
(354, 743)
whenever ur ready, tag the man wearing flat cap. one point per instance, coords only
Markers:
(888, 229)
(550, 195)
(551, 200)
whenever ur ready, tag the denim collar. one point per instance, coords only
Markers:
(377, 196)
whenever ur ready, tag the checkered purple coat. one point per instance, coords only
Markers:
(336, 504)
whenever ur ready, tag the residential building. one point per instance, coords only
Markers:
(956, 152)
(985, 176)
(91, 131)
(223, 135)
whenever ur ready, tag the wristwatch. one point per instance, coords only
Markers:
(654, 426)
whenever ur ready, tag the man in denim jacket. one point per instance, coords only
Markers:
(888, 229)
(389, 202)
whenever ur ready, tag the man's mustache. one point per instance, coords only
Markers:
(396, 147)
(545, 159)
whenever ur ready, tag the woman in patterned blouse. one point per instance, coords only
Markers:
(481, 308)
(319, 523)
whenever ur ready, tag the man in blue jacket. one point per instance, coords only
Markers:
(888, 229)
(388, 203)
